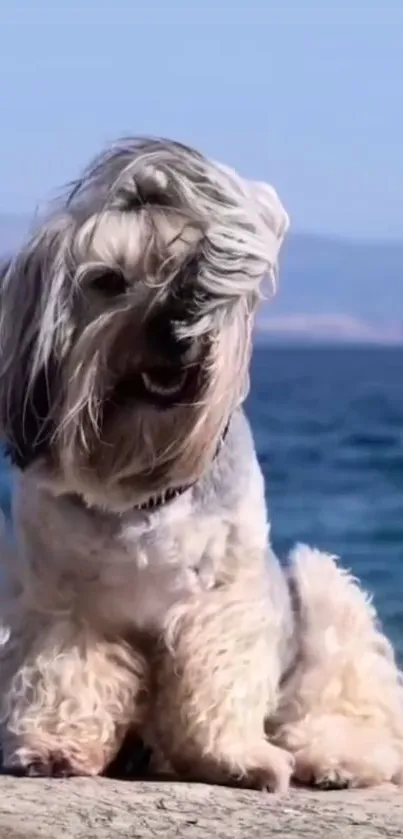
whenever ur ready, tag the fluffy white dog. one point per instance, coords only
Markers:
(141, 595)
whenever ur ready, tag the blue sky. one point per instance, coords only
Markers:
(305, 95)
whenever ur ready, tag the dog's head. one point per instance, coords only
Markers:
(126, 321)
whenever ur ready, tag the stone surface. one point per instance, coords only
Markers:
(102, 808)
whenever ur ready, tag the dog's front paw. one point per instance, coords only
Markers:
(51, 763)
(273, 769)
(262, 766)
(259, 766)
(55, 765)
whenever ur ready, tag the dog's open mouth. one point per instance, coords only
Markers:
(163, 386)
(162, 381)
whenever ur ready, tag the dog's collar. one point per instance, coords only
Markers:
(171, 493)
(163, 498)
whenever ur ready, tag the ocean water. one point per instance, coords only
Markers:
(328, 426)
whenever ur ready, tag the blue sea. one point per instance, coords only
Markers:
(328, 425)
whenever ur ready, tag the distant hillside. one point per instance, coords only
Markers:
(331, 289)
(321, 275)
(338, 290)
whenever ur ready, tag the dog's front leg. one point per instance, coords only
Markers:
(68, 697)
(216, 678)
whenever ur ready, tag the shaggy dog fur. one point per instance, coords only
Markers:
(141, 595)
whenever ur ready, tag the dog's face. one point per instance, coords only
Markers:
(126, 322)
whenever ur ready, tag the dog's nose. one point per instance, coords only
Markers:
(164, 339)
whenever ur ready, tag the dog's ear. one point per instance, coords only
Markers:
(30, 320)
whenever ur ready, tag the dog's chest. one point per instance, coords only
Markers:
(155, 564)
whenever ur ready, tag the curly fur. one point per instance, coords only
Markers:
(141, 595)
(340, 713)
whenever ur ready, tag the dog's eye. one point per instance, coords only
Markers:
(109, 284)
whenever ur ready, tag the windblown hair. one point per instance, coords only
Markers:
(153, 244)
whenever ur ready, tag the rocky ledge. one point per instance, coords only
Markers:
(107, 809)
